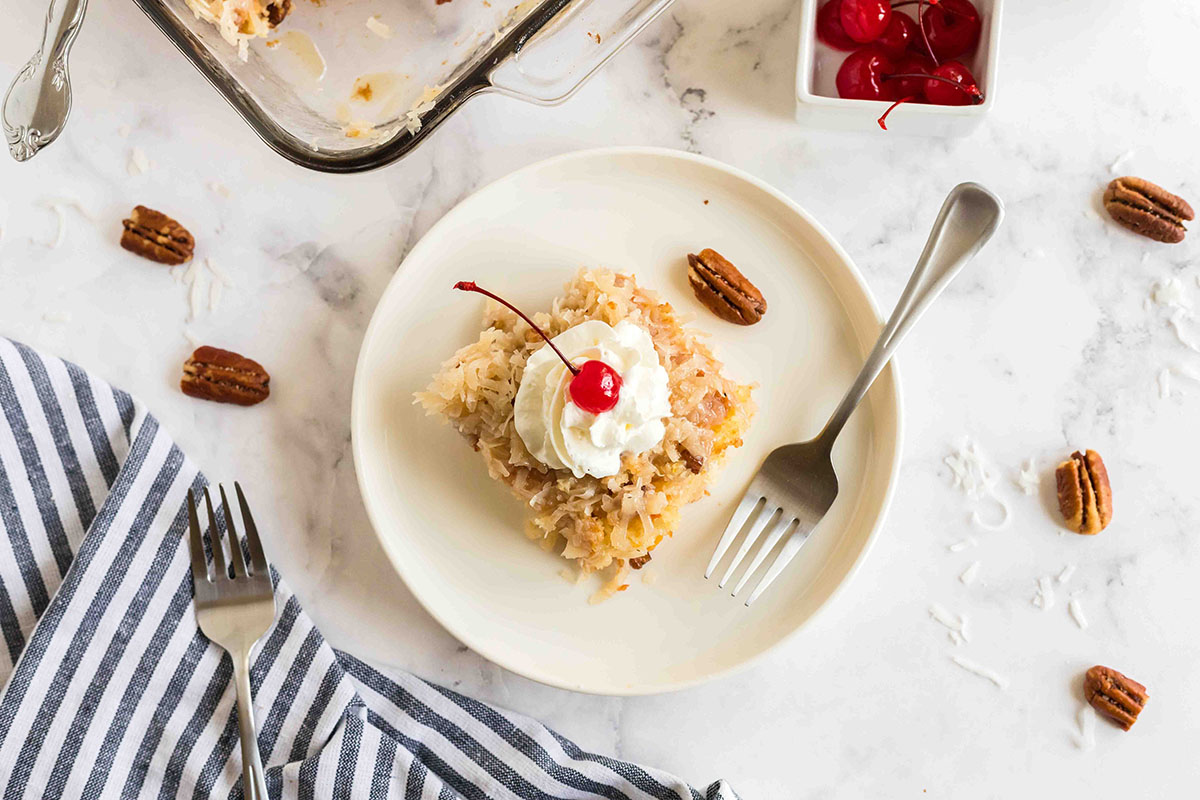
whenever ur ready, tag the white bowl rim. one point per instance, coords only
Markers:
(356, 416)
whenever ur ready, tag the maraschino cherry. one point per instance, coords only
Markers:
(951, 84)
(861, 76)
(865, 20)
(899, 35)
(951, 28)
(595, 387)
(829, 27)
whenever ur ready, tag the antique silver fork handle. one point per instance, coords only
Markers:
(969, 217)
(39, 100)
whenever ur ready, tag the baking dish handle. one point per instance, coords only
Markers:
(555, 61)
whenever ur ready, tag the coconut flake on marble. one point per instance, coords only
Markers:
(139, 162)
(981, 671)
(956, 624)
(1065, 573)
(973, 475)
(57, 317)
(1027, 478)
(1076, 611)
(969, 574)
(1044, 597)
(1116, 166)
(1085, 718)
(961, 545)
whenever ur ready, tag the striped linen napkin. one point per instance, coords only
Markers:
(110, 690)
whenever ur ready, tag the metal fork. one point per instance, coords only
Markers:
(234, 613)
(796, 485)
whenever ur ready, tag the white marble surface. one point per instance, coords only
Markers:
(1046, 344)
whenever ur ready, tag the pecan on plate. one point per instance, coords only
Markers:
(1148, 209)
(639, 561)
(1084, 493)
(277, 11)
(723, 289)
(224, 377)
(152, 234)
(1114, 695)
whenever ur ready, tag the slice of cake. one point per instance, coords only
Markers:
(605, 468)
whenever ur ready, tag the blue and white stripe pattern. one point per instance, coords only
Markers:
(110, 690)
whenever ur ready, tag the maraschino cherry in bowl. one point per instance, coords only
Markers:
(859, 58)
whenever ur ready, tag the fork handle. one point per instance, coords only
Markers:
(38, 101)
(254, 786)
(969, 217)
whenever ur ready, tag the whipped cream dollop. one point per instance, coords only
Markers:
(562, 435)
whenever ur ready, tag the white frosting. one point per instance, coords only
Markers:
(562, 435)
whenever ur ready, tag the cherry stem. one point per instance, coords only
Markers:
(951, 11)
(924, 34)
(471, 286)
(970, 88)
(883, 119)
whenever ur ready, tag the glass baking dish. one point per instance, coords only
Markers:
(333, 92)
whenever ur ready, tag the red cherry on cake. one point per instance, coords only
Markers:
(952, 84)
(829, 27)
(952, 27)
(899, 35)
(865, 20)
(861, 76)
(595, 387)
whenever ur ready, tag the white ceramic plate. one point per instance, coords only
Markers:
(456, 537)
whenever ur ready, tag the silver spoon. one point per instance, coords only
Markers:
(39, 100)
(796, 485)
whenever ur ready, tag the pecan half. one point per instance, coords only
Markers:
(1148, 209)
(224, 377)
(692, 461)
(1114, 695)
(1084, 493)
(152, 234)
(724, 290)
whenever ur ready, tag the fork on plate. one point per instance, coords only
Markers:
(796, 485)
(234, 613)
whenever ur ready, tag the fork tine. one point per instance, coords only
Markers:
(235, 544)
(257, 557)
(756, 530)
(792, 546)
(196, 542)
(218, 551)
(740, 515)
(777, 532)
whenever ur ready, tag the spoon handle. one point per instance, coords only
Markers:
(38, 101)
(969, 217)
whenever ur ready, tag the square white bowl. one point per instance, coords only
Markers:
(817, 102)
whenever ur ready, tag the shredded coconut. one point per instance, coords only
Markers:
(1027, 478)
(956, 624)
(1115, 167)
(961, 545)
(1065, 574)
(192, 338)
(214, 295)
(195, 293)
(378, 27)
(1077, 613)
(218, 273)
(1169, 293)
(1085, 718)
(218, 188)
(968, 575)
(981, 671)
(1044, 598)
(57, 317)
(1176, 322)
(139, 163)
(1164, 383)
(972, 475)
(61, 231)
